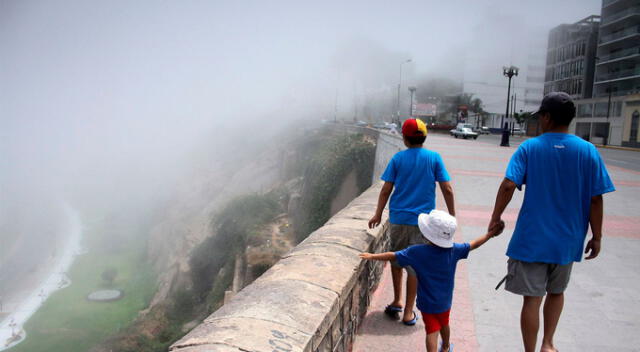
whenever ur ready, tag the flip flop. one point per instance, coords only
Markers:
(393, 312)
(450, 347)
(411, 322)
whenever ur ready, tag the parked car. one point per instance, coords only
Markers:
(518, 132)
(464, 132)
(484, 130)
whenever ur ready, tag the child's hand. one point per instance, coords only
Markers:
(496, 229)
(367, 256)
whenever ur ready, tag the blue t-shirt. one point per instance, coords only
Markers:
(561, 172)
(414, 173)
(436, 269)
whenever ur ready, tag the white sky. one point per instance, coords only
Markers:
(89, 87)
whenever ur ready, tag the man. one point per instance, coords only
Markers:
(411, 175)
(565, 179)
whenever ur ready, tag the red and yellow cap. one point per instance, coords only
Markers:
(414, 128)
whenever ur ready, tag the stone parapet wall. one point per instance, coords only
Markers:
(387, 145)
(315, 297)
(312, 300)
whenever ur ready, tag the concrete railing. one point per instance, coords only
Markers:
(314, 298)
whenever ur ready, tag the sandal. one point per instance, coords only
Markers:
(411, 322)
(393, 312)
(450, 348)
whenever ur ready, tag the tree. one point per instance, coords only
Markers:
(109, 275)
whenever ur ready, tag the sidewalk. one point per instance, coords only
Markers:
(602, 308)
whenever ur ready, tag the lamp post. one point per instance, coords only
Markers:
(507, 72)
(400, 84)
(412, 90)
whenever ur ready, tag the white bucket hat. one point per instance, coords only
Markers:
(438, 227)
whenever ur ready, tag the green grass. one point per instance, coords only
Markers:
(67, 322)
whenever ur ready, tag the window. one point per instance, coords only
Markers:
(634, 126)
(600, 109)
(616, 109)
(585, 110)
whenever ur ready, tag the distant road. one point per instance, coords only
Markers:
(620, 158)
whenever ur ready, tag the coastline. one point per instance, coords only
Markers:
(52, 278)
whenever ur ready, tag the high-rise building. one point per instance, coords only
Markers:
(618, 60)
(571, 53)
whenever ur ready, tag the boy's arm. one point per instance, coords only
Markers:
(385, 192)
(494, 231)
(447, 193)
(388, 256)
(505, 193)
(595, 219)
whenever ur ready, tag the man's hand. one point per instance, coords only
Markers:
(375, 221)
(367, 256)
(495, 224)
(593, 248)
(496, 228)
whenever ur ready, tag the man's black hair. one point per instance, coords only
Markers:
(564, 115)
(415, 140)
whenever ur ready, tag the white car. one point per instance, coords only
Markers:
(464, 132)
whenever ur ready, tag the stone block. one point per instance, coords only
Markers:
(305, 307)
(357, 239)
(243, 334)
(336, 273)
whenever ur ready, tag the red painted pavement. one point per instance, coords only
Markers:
(378, 333)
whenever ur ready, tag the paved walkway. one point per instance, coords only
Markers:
(602, 310)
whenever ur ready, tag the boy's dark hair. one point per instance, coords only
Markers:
(415, 140)
(560, 108)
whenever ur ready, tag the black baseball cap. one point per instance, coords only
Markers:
(557, 102)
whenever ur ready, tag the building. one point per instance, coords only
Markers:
(600, 117)
(483, 66)
(571, 53)
(618, 63)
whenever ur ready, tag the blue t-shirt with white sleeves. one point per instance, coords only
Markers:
(436, 269)
(561, 173)
(414, 173)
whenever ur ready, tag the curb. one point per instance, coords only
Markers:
(617, 147)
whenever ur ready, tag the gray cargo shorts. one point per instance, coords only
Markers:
(536, 279)
(403, 236)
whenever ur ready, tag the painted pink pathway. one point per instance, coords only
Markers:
(380, 333)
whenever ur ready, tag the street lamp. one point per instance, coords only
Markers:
(507, 72)
(412, 90)
(399, 84)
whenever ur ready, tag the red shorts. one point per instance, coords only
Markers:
(435, 322)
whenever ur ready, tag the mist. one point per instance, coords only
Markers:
(108, 105)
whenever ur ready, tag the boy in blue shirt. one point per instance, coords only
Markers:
(565, 179)
(435, 265)
(411, 175)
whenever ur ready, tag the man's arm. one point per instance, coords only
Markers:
(505, 193)
(447, 193)
(388, 256)
(595, 219)
(385, 192)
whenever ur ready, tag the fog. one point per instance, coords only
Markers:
(106, 102)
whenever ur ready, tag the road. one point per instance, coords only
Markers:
(602, 309)
(619, 158)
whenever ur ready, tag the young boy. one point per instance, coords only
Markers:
(435, 266)
(411, 175)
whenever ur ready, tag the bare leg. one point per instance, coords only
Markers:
(432, 342)
(445, 332)
(552, 309)
(396, 277)
(530, 322)
(412, 291)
